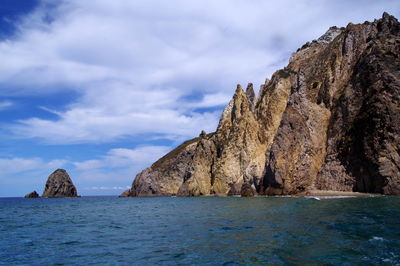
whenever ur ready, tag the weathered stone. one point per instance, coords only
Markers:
(330, 120)
(343, 118)
(33, 194)
(247, 190)
(251, 96)
(59, 185)
(125, 194)
(166, 176)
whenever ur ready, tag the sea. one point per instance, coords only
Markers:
(200, 231)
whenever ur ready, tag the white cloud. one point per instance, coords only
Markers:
(82, 125)
(118, 165)
(19, 165)
(5, 105)
(141, 155)
(214, 99)
(133, 63)
(122, 157)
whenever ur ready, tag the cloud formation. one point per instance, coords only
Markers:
(19, 165)
(134, 64)
(5, 105)
(121, 157)
(118, 165)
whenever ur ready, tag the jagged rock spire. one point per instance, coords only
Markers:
(203, 134)
(251, 96)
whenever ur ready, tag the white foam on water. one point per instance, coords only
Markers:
(313, 197)
(377, 238)
(329, 197)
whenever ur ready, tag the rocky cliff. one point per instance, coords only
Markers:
(59, 185)
(330, 120)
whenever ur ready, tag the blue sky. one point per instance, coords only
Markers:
(104, 88)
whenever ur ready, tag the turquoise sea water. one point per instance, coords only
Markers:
(203, 231)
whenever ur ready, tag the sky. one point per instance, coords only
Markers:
(105, 88)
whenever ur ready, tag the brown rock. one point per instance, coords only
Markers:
(166, 176)
(330, 120)
(342, 121)
(247, 190)
(33, 194)
(125, 194)
(59, 185)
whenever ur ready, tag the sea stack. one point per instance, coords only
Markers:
(59, 185)
(33, 194)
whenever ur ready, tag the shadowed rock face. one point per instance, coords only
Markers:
(330, 120)
(125, 194)
(59, 185)
(33, 194)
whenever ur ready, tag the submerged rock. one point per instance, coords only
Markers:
(330, 120)
(59, 185)
(33, 194)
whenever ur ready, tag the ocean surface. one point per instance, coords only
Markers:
(202, 231)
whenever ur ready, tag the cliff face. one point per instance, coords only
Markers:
(59, 185)
(330, 120)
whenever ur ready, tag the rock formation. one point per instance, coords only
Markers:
(59, 185)
(126, 193)
(330, 120)
(33, 194)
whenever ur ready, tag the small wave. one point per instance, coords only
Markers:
(314, 198)
(377, 238)
(329, 197)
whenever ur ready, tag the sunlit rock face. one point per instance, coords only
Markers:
(330, 120)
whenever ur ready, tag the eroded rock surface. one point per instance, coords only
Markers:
(59, 185)
(330, 120)
(125, 194)
(33, 194)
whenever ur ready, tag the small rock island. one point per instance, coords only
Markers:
(59, 185)
(33, 194)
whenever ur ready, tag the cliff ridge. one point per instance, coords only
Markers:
(330, 120)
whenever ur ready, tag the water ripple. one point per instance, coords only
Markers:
(200, 231)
